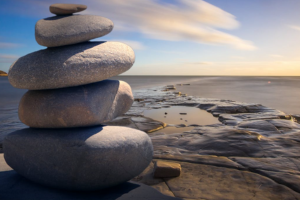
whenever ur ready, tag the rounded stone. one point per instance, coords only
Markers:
(72, 65)
(66, 9)
(65, 30)
(78, 159)
(86, 105)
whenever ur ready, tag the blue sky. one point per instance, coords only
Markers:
(178, 37)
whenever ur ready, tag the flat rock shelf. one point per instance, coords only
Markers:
(251, 152)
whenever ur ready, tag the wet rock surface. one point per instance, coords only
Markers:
(200, 181)
(252, 154)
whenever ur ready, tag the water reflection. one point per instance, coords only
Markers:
(182, 115)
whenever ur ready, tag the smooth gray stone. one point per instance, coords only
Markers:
(72, 65)
(65, 30)
(78, 159)
(66, 9)
(86, 105)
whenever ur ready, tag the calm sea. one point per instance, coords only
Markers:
(281, 93)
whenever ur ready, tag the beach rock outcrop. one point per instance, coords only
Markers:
(66, 9)
(79, 159)
(71, 65)
(2, 73)
(65, 30)
(87, 105)
(67, 89)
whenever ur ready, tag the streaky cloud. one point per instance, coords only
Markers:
(181, 20)
(199, 63)
(189, 20)
(6, 45)
(294, 27)
(136, 45)
(8, 58)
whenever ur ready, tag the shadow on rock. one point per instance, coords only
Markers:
(14, 186)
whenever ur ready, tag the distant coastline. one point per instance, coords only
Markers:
(2, 73)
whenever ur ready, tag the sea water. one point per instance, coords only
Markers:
(281, 93)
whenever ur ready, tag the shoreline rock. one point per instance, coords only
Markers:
(71, 65)
(86, 105)
(67, 30)
(261, 145)
(258, 142)
(78, 159)
(67, 89)
(66, 9)
(2, 73)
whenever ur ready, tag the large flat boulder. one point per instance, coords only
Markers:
(65, 30)
(72, 65)
(86, 105)
(78, 159)
(225, 141)
(200, 181)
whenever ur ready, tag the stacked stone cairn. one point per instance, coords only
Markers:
(68, 99)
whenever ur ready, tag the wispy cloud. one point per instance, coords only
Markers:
(133, 44)
(4, 45)
(199, 63)
(8, 58)
(171, 52)
(181, 20)
(238, 57)
(294, 27)
(276, 56)
(186, 20)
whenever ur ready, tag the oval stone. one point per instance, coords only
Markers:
(66, 9)
(86, 105)
(72, 65)
(78, 159)
(65, 30)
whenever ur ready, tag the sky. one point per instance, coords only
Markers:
(177, 37)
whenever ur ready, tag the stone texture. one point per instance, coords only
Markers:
(147, 177)
(86, 105)
(296, 118)
(71, 65)
(145, 124)
(15, 187)
(219, 161)
(199, 181)
(225, 141)
(65, 30)
(78, 159)
(256, 143)
(66, 9)
(253, 154)
(165, 169)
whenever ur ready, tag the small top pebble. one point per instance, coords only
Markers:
(66, 9)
